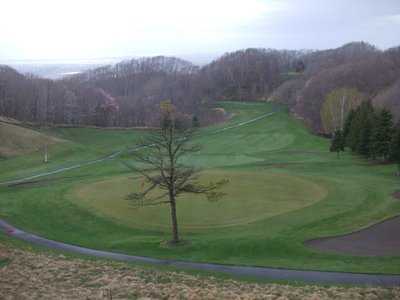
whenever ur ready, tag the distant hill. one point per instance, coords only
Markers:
(52, 70)
(17, 140)
(156, 64)
(128, 93)
(373, 72)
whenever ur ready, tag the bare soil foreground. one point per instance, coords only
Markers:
(377, 240)
(30, 275)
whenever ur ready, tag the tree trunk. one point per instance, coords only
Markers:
(174, 220)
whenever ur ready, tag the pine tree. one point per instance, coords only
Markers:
(195, 122)
(352, 133)
(337, 142)
(365, 126)
(348, 123)
(358, 136)
(395, 149)
(364, 142)
(382, 135)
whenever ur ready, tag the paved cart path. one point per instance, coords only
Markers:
(257, 272)
(117, 153)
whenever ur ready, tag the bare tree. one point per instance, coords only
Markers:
(162, 168)
(338, 103)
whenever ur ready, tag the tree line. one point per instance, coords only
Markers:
(369, 132)
(372, 72)
(129, 93)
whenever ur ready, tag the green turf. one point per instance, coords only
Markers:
(249, 197)
(81, 144)
(358, 194)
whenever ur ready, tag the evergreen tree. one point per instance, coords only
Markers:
(395, 148)
(348, 123)
(195, 122)
(352, 133)
(358, 136)
(367, 118)
(337, 142)
(364, 141)
(382, 135)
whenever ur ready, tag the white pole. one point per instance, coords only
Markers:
(342, 112)
(46, 156)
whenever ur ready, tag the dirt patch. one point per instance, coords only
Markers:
(396, 195)
(41, 276)
(381, 239)
(4, 253)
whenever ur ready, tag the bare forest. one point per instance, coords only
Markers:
(128, 94)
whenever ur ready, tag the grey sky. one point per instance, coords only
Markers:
(81, 29)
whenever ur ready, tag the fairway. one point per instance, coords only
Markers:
(285, 188)
(249, 197)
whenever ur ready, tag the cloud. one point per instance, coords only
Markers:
(103, 28)
(395, 19)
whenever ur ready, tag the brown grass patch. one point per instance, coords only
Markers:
(41, 276)
(396, 194)
(18, 140)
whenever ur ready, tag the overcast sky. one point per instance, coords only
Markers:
(81, 29)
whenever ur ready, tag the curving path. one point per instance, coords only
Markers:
(257, 272)
(117, 153)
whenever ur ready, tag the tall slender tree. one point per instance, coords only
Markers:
(163, 170)
(358, 136)
(337, 105)
(382, 134)
(337, 142)
(395, 149)
(348, 124)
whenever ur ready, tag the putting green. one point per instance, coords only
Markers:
(250, 197)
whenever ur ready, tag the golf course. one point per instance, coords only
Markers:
(284, 189)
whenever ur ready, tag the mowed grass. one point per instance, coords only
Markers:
(74, 146)
(249, 197)
(291, 186)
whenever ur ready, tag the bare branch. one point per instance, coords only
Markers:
(163, 170)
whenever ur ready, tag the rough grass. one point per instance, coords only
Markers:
(17, 140)
(40, 276)
(80, 145)
(358, 194)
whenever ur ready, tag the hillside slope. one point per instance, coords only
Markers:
(372, 72)
(83, 279)
(129, 93)
(16, 140)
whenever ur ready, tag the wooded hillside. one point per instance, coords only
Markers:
(129, 93)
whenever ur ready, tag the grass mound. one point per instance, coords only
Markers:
(250, 197)
(16, 140)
